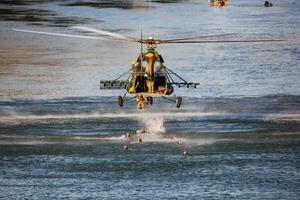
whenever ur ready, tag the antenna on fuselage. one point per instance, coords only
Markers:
(141, 41)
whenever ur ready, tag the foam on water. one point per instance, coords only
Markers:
(153, 124)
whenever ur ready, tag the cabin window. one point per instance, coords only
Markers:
(157, 66)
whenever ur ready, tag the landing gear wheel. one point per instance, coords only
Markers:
(150, 100)
(120, 101)
(178, 102)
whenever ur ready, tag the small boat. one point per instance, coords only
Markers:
(268, 4)
(218, 2)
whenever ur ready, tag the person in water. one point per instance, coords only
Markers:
(139, 141)
(128, 135)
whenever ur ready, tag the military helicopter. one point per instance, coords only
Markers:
(148, 76)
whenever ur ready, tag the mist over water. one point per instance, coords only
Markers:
(101, 116)
(62, 138)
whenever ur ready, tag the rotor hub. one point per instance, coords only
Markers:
(151, 42)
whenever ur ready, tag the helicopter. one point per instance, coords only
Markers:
(148, 75)
(149, 78)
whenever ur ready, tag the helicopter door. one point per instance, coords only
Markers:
(160, 84)
(140, 84)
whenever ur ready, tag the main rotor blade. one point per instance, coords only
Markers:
(107, 33)
(221, 41)
(60, 34)
(197, 37)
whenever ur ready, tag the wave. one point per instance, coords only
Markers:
(283, 117)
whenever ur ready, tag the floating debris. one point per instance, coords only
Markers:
(185, 153)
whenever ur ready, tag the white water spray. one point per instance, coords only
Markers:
(154, 125)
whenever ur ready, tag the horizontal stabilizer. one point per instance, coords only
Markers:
(113, 84)
(187, 85)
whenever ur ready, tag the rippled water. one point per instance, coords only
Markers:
(60, 137)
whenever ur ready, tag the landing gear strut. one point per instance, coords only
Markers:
(178, 102)
(150, 100)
